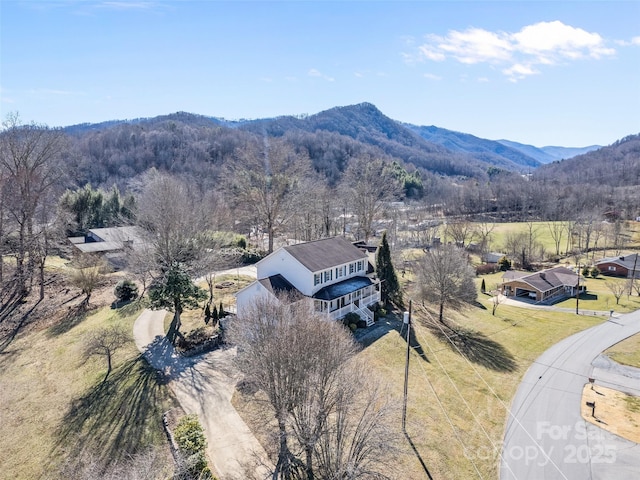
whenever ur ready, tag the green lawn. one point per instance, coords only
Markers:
(626, 352)
(541, 229)
(55, 406)
(499, 349)
(599, 297)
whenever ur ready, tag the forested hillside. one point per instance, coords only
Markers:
(617, 165)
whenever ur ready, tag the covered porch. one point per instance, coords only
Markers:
(352, 295)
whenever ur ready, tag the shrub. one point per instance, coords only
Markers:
(361, 324)
(350, 318)
(595, 272)
(504, 263)
(353, 327)
(189, 435)
(252, 256)
(126, 290)
(197, 466)
(486, 268)
(586, 271)
(194, 338)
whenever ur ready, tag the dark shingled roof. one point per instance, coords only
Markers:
(277, 284)
(343, 288)
(326, 253)
(552, 278)
(627, 261)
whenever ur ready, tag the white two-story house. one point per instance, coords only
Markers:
(331, 271)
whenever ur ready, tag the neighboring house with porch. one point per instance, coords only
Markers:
(332, 272)
(622, 266)
(545, 286)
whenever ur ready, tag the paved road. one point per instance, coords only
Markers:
(204, 385)
(546, 438)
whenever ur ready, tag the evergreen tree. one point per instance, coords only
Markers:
(483, 287)
(390, 287)
(207, 313)
(175, 291)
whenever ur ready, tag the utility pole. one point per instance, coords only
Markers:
(633, 273)
(407, 321)
(578, 292)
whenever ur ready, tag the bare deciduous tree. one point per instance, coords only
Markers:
(460, 231)
(29, 162)
(104, 342)
(446, 278)
(366, 186)
(556, 230)
(264, 180)
(327, 421)
(87, 274)
(497, 299)
(483, 232)
(173, 216)
(617, 289)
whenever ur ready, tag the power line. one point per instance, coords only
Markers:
(455, 432)
(508, 410)
(495, 447)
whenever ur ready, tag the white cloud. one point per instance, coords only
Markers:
(554, 41)
(431, 76)
(635, 40)
(431, 53)
(519, 71)
(316, 73)
(543, 43)
(476, 45)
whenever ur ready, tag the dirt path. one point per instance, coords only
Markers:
(204, 385)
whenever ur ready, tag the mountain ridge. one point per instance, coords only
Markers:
(443, 151)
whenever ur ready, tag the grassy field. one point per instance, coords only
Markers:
(599, 297)
(475, 384)
(543, 236)
(192, 319)
(55, 406)
(626, 352)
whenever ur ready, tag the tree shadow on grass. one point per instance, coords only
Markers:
(474, 346)
(119, 416)
(390, 322)
(74, 316)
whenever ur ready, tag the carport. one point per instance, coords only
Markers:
(524, 293)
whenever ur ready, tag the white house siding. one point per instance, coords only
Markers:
(249, 294)
(282, 262)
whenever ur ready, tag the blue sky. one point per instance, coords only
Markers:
(543, 73)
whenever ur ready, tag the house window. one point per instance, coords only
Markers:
(612, 268)
(317, 278)
(360, 265)
(328, 275)
(352, 268)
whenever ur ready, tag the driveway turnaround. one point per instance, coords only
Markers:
(546, 438)
(204, 385)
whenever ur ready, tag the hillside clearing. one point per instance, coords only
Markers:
(56, 408)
